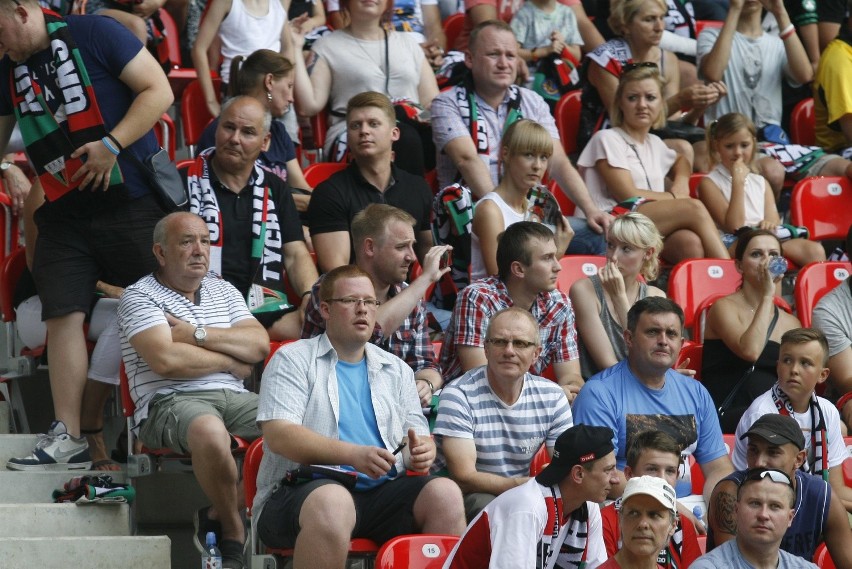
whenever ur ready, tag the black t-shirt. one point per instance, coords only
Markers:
(335, 201)
(236, 212)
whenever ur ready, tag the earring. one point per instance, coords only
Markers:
(269, 96)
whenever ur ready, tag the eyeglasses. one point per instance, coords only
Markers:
(758, 474)
(351, 301)
(628, 67)
(503, 343)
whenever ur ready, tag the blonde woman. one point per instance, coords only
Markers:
(601, 301)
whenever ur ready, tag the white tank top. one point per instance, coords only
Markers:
(243, 34)
(510, 217)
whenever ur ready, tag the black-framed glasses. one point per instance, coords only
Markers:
(633, 65)
(758, 474)
(352, 301)
(503, 343)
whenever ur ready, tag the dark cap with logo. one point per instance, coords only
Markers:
(580, 444)
(777, 430)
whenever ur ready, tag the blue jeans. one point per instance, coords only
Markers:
(586, 240)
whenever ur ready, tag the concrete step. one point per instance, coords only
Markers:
(14, 446)
(89, 552)
(64, 520)
(38, 487)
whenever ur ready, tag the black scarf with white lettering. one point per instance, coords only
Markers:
(48, 146)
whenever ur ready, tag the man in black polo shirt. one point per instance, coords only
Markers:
(371, 178)
(255, 233)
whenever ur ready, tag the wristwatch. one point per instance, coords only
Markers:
(4, 165)
(200, 335)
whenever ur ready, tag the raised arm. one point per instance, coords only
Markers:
(207, 34)
(312, 85)
(713, 64)
(801, 69)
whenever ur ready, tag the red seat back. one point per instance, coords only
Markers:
(194, 116)
(321, 171)
(823, 205)
(567, 115)
(803, 123)
(422, 551)
(576, 267)
(813, 281)
(695, 353)
(166, 134)
(453, 26)
(693, 280)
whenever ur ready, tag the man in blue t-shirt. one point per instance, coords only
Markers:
(776, 441)
(337, 399)
(85, 95)
(644, 393)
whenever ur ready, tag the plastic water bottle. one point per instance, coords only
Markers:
(212, 557)
(698, 512)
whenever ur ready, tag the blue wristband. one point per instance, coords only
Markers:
(109, 146)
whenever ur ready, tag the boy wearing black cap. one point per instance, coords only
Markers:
(552, 520)
(776, 441)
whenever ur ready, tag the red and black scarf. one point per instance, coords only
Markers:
(48, 146)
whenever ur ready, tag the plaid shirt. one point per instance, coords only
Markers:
(410, 342)
(482, 299)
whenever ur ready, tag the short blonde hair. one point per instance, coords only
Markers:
(639, 231)
(632, 74)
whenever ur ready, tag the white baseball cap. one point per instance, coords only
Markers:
(652, 486)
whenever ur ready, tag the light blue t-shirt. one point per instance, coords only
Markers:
(357, 423)
(683, 408)
(728, 556)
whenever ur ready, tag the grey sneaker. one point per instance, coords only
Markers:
(57, 450)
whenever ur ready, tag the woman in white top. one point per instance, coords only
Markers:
(625, 169)
(525, 149)
(363, 56)
(242, 27)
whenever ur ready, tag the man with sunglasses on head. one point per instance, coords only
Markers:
(337, 399)
(527, 268)
(764, 510)
(776, 441)
(494, 419)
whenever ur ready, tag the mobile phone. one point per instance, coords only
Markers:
(446, 259)
(777, 267)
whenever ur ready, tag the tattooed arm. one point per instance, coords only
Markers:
(721, 515)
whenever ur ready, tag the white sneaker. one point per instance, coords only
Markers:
(57, 450)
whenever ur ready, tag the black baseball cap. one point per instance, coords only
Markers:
(578, 445)
(777, 430)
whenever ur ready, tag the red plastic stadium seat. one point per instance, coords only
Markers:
(567, 115)
(823, 205)
(813, 282)
(321, 171)
(422, 551)
(194, 116)
(803, 123)
(694, 280)
(576, 267)
(453, 26)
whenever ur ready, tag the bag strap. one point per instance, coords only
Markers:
(741, 381)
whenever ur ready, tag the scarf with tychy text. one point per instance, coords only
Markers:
(266, 293)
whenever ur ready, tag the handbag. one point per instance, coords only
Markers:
(729, 400)
(680, 129)
(164, 180)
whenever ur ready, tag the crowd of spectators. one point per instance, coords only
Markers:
(432, 417)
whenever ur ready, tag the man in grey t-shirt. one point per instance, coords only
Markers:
(765, 501)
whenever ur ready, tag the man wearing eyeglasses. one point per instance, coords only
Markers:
(384, 241)
(337, 399)
(495, 418)
(528, 266)
(776, 441)
(764, 511)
